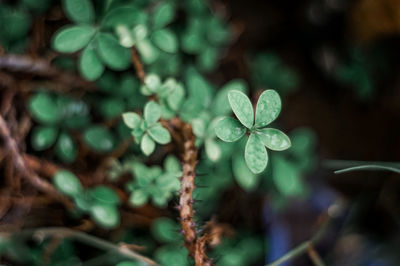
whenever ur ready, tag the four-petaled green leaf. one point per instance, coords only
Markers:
(267, 110)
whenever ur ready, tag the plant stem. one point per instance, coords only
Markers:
(361, 166)
(314, 256)
(62, 232)
(21, 165)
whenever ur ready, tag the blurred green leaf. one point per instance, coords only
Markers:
(99, 139)
(112, 53)
(165, 40)
(66, 148)
(147, 144)
(43, 137)
(79, 11)
(90, 65)
(67, 183)
(104, 194)
(72, 38)
(44, 109)
(106, 216)
(159, 134)
(163, 14)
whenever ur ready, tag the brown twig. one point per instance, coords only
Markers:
(137, 63)
(42, 68)
(21, 166)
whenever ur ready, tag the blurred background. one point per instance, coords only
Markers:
(336, 65)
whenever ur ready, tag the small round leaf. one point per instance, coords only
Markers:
(255, 154)
(105, 195)
(131, 119)
(159, 134)
(66, 148)
(67, 183)
(72, 38)
(106, 216)
(45, 109)
(229, 129)
(147, 145)
(274, 139)
(165, 40)
(268, 108)
(152, 112)
(90, 65)
(43, 137)
(138, 198)
(242, 107)
(99, 139)
(79, 11)
(112, 53)
(163, 14)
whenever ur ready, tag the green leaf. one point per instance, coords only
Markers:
(105, 195)
(138, 198)
(111, 107)
(221, 104)
(124, 15)
(242, 107)
(255, 154)
(163, 14)
(175, 99)
(274, 139)
(152, 112)
(67, 183)
(99, 139)
(245, 178)
(79, 11)
(165, 40)
(152, 82)
(229, 129)
(165, 230)
(72, 38)
(106, 216)
(90, 65)
(148, 52)
(43, 137)
(128, 263)
(131, 119)
(112, 53)
(213, 150)
(159, 134)
(147, 145)
(66, 148)
(44, 108)
(172, 165)
(286, 177)
(268, 108)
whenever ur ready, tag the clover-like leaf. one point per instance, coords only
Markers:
(268, 108)
(67, 183)
(229, 129)
(72, 38)
(159, 134)
(131, 119)
(90, 65)
(274, 139)
(147, 145)
(79, 11)
(105, 215)
(138, 198)
(255, 154)
(242, 107)
(152, 112)
(112, 53)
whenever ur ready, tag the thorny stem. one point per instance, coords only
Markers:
(24, 169)
(183, 136)
(61, 232)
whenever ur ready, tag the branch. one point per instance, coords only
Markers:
(61, 232)
(24, 169)
(183, 136)
(42, 68)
